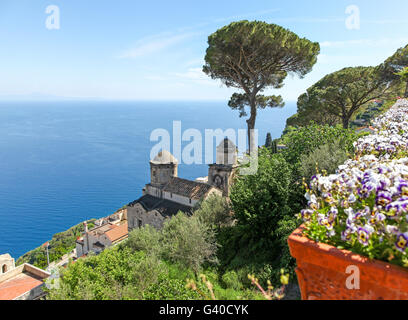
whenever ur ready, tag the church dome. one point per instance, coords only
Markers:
(164, 157)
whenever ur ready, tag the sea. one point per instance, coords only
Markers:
(63, 162)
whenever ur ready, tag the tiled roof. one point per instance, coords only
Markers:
(165, 207)
(187, 188)
(97, 231)
(17, 282)
(118, 233)
(18, 285)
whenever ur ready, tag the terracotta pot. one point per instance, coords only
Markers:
(322, 273)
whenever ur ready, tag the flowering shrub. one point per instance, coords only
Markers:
(364, 206)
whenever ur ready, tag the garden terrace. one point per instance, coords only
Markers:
(364, 206)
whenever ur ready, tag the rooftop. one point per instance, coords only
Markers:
(165, 207)
(164, 157)
(97, 231)
(118, 233)
(21, 280)
(187, 188)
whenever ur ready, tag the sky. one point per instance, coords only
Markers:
(154, 50)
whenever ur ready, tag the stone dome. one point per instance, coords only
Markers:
(164, 157)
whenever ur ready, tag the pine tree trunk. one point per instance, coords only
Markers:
(406, 91)
(345, 123)
(251, 135)
(251, 126)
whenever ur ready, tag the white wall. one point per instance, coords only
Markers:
(179, 199)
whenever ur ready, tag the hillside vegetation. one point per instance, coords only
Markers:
(60, 244)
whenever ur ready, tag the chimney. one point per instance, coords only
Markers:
(86, 226)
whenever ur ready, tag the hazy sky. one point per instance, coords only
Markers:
(154, 50)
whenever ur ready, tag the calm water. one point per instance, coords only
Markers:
(64, 162)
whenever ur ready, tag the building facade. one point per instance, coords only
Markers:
(107, 233)
(167, 194)
(25, 282)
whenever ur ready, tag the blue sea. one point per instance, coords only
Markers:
(67, 161)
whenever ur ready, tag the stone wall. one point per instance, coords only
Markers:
(160, 174)
(138, 217)
(6, 263)
(179, 199)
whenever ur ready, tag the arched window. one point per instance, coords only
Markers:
(4, 269)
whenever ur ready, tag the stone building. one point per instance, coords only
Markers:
(101, 237)
(25, 282)
(167, 194)
(7, 263)
(221, 173)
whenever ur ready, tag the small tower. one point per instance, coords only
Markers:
(226, 153)
(222, 172)
(162, 169)
(7, 263)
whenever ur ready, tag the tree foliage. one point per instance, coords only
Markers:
(188, 241)
(403, 74)
(259, 201)
(61, 243)
(253, 56)
(341, 94)
(114, 274)
(268, 141)
(304, 140)
(214, 212)
(327, 157)
(395, 64)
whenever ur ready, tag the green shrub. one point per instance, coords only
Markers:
(327, 157)
(215, 212)
(305, 140)
(60, 244)
(109, 275)
(170, 289)
(188, 241)
(231, 280)
(145, 239)
(260, 200)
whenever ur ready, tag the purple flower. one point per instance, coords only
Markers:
(325, 221)
(365, 190)
(366, 212)
(402, 242)
(313, 202)
(394, 209)
(364, 234)
(403, 188)
(383, 198)
(346, 235)
(306, 214)
(377, 217)
(333, 212)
